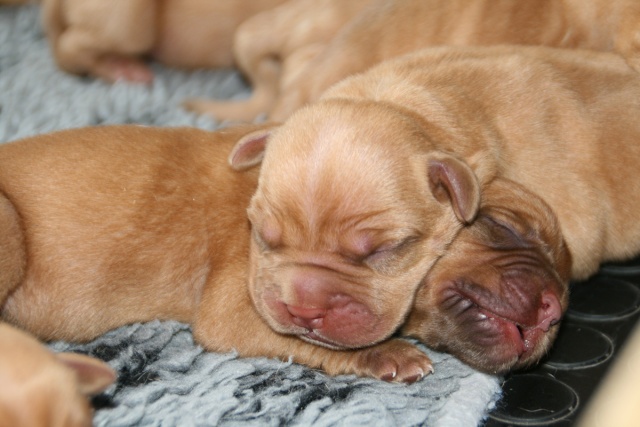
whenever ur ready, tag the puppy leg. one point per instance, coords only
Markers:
(327, 67)
(627, 38)
(104, 39)
(272, 78)
(12, 249)
(226, 320)
(257, 46)
(261, 99)
(272, 47)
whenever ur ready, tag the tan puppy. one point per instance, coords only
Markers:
(371, 183)
(110, 39)
(493, 299)
(385, 29)
(43, 389)
(112, 225)
(350, 214)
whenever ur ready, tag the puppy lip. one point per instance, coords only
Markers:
(509, 331)
(512, 343)
(312, 337)
(516, 309)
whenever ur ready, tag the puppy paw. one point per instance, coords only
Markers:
(114, 68)
(394, 360)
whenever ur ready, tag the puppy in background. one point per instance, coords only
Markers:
(111, 40)
(107, 226)
(44, 389)
(383, 29)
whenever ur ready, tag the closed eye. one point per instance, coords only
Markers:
(259, 240)
(388, 253)
(505, 235)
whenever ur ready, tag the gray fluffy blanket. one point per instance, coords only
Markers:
(166, 379)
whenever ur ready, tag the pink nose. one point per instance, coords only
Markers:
(549, 312)
(308, 318)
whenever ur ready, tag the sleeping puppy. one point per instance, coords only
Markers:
(107, 226)
(382, 29)
(44, 389)
(351, 212)
(495, 298)
(372, 182)
(111, 39)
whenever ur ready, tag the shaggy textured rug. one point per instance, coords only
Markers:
(164, 378)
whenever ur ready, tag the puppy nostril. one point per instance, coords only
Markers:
(521, 330)
(550, 311)
(306, 313)
(310, 324)
(309, 318)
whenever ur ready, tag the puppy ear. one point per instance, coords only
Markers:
(452, 180)
(94, 376)
(249, 150)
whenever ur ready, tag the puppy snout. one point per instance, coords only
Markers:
(320, 301)
(315, 290)
(318, 293)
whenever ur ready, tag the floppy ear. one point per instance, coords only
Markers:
(451, 180)
(249, 150)
(94, 376)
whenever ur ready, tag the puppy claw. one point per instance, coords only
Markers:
(395, 361)
(389, 377)
(412, 379)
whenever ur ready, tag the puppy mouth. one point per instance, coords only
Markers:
(312, 321)
(507, 338)
(314, 338)
(346, 325)
(493, 326)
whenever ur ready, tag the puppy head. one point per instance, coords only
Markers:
(40, 388)
(352, 209)
(495, 298)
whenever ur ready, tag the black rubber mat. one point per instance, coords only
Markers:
(602, 312)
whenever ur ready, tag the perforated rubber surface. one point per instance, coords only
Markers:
(602, 312)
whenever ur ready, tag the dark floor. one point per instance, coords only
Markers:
(602, 313)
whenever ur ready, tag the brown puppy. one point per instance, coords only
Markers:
(110, 39)
(361, 186)
(493, 299)
(112, 225)
(385, 29)
(44, 389)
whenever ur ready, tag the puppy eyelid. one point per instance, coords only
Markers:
(510, 235)
(388, 249)
(260, 241)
